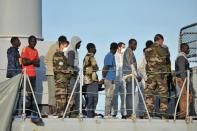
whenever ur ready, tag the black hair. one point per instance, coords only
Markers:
(183, 45)
(157, 37)
(31, 37)
(120, 44)
(89, 46)
(132, 41)
(149, 43)
(62, 38)
(13, 39)
(113, 46)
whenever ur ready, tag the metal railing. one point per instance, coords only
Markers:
(80, 79)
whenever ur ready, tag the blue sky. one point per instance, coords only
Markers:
(105, 21)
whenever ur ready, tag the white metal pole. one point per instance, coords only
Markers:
(80, 100)
(179, 99)
(32, 91)
(142, 98)
(188, 84)
(133, 91)
(71, 96)
(24, 91)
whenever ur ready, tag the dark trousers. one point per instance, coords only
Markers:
(29, 103)
(92, 99)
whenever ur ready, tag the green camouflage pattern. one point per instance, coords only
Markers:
(157, 58)
(62, 75)
(90, 68)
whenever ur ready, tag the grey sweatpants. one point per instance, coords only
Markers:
(109, 93)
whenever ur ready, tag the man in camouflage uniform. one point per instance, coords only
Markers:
(156, 68)
(90, 68)
(62, 75)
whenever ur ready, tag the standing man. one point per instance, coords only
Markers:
(181, 67)
(142, 73)
(156, 83)
(90, 68)
(119, 88)
(50, 73)
(73, 60)
(30, 60)
(14, 65)
(109, 76)
(129, 60)
(62, 75)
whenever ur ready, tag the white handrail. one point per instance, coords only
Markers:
(133, 91)
(179, 99)
(187, 103)
(24, 93)
(75, 85)
(138, 87)
(34, 97)
(142, 98)
(80, 100)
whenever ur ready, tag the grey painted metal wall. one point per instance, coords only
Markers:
(20, 18)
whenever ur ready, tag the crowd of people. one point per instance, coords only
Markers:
(120, 73)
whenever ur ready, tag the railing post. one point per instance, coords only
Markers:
(187, 103)
(73, 91)
(24, 92)
(179, 99)
(80, 95)
(133, 91)
(34, 97)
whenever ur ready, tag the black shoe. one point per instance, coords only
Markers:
(114, 116)
(124, 117)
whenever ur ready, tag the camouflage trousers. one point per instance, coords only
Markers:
(62, 95)
(159, 87)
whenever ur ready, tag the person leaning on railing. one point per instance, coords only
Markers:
(181, 67)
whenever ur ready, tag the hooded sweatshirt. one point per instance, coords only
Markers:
(72, 54)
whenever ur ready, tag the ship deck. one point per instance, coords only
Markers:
(98, 124)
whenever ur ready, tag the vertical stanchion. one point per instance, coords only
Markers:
(179, 99)
(24, 92)
(187, 103)
(80, 92)
(73, 91)
(32, 91)
(133, 92)
(142, 98)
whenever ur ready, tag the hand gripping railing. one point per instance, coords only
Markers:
(134, 79)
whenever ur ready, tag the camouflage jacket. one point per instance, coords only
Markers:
(90, 68)
(157, 65)
(62, 71)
